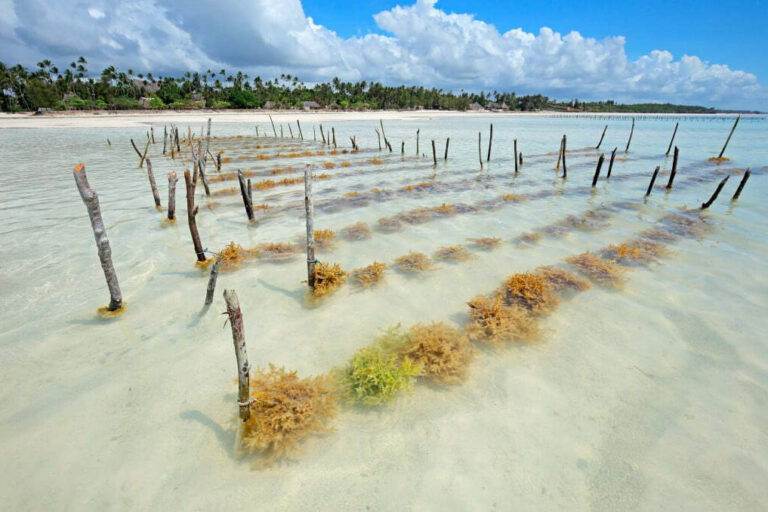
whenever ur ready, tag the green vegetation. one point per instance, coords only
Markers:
(74, 88)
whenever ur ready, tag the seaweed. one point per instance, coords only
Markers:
(285, 410)
(718, 160)
(369, 275)
(685, 225)
(328, 165)
(389, 224)
(485, 243)
(529, 238)
(356, 231)
(232, 256)
(641, 251)
(442, 352)
(561, 280)
(276, 251)
(492, 322)
(354, 193)
(516, 198)
(376, 374)
(659, 235)
(416, 216)
(325, 238)
(328, 277)
(453, 253)
(444, 209)
(528, 291)
(375, 161)
(414, 262)
(606, 273)
(345, 164)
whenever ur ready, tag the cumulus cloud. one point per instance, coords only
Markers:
(418, 44)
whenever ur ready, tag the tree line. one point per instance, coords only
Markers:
(74, 88)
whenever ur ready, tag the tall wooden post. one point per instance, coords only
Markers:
(152, 184)
(729, 137)
(209, 291)
(245, 192)
(674, 169)
(434, 154)
(243, 368)
(480, 148)
(712, 199)
(191, 214)
(447, 143)
(601, 137)
(172, 179)
(273, 125)
(310, 211)
(417, 142)
(674, 132)
(165, 138)
(490, 143)
(565, 150)
(597, 169)
(629, 140)
(610, 164)
(559, 154)
(653, 180)
(741, 185)
(301, 135)
(91, 200)
(517, 163)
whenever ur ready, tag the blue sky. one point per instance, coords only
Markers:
(705, 52)
(727, 32)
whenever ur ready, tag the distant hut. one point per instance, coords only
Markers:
(269, 105)
(311, 105)
(476, 107)
(149, 87)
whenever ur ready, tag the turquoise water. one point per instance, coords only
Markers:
(651, 397)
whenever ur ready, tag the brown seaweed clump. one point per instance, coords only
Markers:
(356, 231)
(528, 291)
(604, 272)
(285, 410)
(529, 238)
(685, 225)
(561, 280)
(277, 251)
(414, 262)
(325, 238)
(640, 251)
(485, 243)
(718, 160)
(659, 235)
(416, 216)
(492, 322)
(369, 275)
(442, 352)
(328, 278)
(233, 255)
(389, 224)
(453, 253)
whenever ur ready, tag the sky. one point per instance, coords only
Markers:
(703, 52)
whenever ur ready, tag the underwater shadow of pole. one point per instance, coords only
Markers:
(298, 295)
(225, 436)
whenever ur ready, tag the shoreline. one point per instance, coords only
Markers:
(135, 118)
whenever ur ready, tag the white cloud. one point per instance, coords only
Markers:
(422, 45)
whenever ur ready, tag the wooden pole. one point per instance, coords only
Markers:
(310, 211)
(243, 368)
(91, 200)
(301, 135)
(212, 280)
(434, 154)
(378, 138)
(152, 183)
(674, 132)
(135, 148)
(402, 147)
(480, 148)
(729, 137)
(172, 179)
(191, 214)
(610, 164)
(559, 154)
(712, 199)
(165, 138)
(597, 169)
(273, 125)
(653, 180)
(520, 159)
(290, 130)
(281, 131)
(601, 137)
(447, 143)
(490, 143)
(631, 131)
(517, 164)
(565, 146)
(322, 134)
(152, 132)
(417, 142)
(333, 132)
(741, 185)
(674, 169)
(245, 193)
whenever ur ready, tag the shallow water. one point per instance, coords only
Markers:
(652, 397)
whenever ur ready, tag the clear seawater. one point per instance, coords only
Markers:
(653, 397)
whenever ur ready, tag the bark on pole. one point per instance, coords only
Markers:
(741, 185)
(172, 179)
(490, 144)
(152, 132)
(674, 132)
(417, 141)
(310, 210)
(631, 131)
(91, 200)
(245, 194)
(136, 149)
(378, 138)
(447, 143)
(191, 214)
(516, 161)
(165, 138)
(152, 183)
(601, 137)
(559, 155)
(610, 164)
(653, 180)
(729, 137)
(273, 125)
(301, 135)
(565, 150)
(712, 199)
(290, 130)
(597, 169)
(480, 148)
(674, 169)
(333, 132)
(212, 281)
(434, 154)
(243, 368)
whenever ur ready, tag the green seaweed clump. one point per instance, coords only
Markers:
(442, 352)
(284, 410)
(376, 374)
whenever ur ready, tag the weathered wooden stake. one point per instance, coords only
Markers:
(273, 125)
(212, 280)
(653, 180)
(378, 137)
(310, 211)
(402, 147)
(601, 137)
(434, 154)
(729, 137)
(333, 132)
(165, 138)
(447, 143)
(674, 132)
(712, 199)
(597, 169)
(152, 183)
(610, 164)
(172, 179)
(417, 142)
(281, 131)
(480, 148)
(91, 200)
(301, 135)
(559, 154)
(631, 131)
(517, 164)
(243, 368)
(673, 172)
(490, 143)
(322, 134)
(152, 132)
(741, 185)
(191, 214)
(290, 130)
(245, 193)
(565, 150)
(520, 158)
